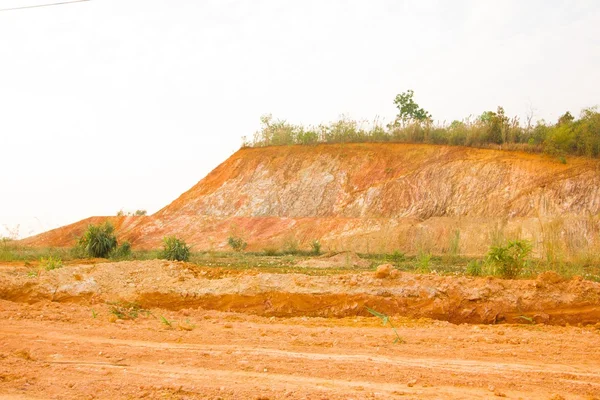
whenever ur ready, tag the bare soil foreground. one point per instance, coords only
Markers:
(165, 330)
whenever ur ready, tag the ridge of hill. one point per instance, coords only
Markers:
(373, 197)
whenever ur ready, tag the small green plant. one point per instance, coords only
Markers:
(315, 247)
(175, 249)
(510, 260)
(98, 240)
(475, 268)
(454, 246)
(50, 263)
(126, 310)
(385, 319)
(166, 321)
(33, 273)
(94, 313)
(528, 319)
(424, 262)
(237, 243)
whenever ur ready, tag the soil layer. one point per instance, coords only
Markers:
(164, 330)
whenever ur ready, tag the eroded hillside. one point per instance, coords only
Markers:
(377, 197)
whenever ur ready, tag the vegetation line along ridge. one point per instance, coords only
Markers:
(492, 129)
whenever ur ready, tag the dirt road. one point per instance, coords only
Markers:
(54, 350)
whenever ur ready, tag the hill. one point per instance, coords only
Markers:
(375, 197)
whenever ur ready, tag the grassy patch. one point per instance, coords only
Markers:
(126, 310)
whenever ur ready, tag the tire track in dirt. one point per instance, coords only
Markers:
(454, 365)
(256, 357)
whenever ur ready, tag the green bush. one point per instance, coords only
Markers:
(315, 247)
(510, 260)
(270, 251)
(121, 252)
(237, 243)
(175, 249)
(98, 240)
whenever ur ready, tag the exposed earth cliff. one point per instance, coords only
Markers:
(376, 198)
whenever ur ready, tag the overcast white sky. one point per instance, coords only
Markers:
(112, 104)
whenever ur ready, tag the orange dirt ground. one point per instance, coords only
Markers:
(59, 339)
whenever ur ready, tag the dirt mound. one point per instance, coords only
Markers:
(345, 259)
(175, 286)
(376, 198)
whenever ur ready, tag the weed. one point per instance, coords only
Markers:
(454, 245)
(510, 260)
(315, 247)
(474, 268)
(385, 319)
(33, 273)
(397, 257)
(424, 262)
(166, 321)
(94, 313)
(126, 310)
(50, 263)
(175, 249)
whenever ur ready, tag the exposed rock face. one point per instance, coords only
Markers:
(378, 197)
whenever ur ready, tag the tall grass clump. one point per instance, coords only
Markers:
(315, 247)
(49, 263)
(175, 249)
(98, 241)
(510, 260)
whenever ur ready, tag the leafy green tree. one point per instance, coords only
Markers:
(497, 124)
(565, 119)
(409, 110)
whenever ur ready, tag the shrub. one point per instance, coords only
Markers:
(175, 249)
(510, 260)
(270, 251)
(121, 252)
(237, 243)
(315, 247)
(98, 240)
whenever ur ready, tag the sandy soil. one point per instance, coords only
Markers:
(71, 346)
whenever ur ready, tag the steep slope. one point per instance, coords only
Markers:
(381, 197)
